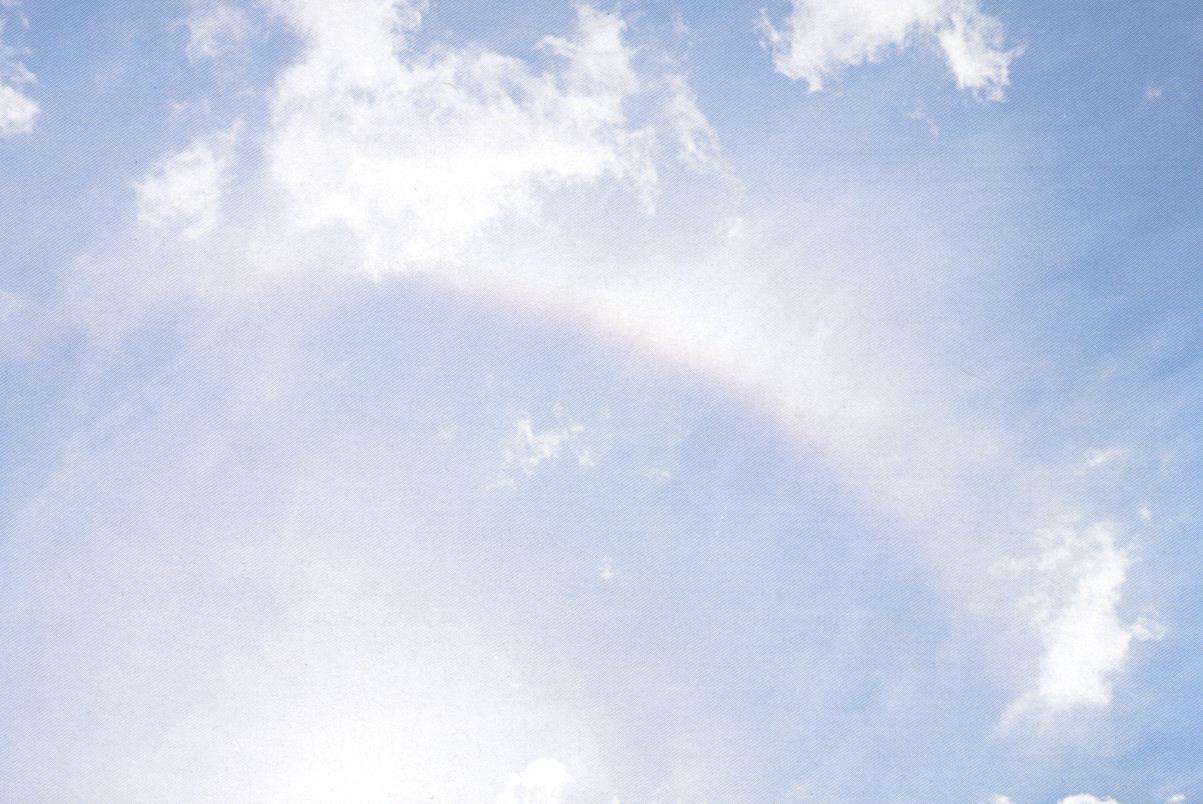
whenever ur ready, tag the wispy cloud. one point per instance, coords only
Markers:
(216, 29)
(183, 191)
(528, 448)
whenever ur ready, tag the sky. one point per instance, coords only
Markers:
(662, 401)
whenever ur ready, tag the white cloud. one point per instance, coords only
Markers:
(545, 781)
(183, 191)
(18, 111)
(215, 29)
(527, 449)
(699, 146)
(973, 46)
(820, 38)
(1079, 577)
(1086, 798)
(418, 153)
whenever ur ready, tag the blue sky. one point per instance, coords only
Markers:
(661, 402)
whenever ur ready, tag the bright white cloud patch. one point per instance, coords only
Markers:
(18, 111)
(1086, 798)
(820, 38)
(417, 153)
(1079, 576)
(216, 29)
(183, 192)
(545, 781)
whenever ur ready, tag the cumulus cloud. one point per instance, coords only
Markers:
(183, 191)
(820, 38)
(1086, 798)
(418, 152)
(545, 781)
(1079, 577)
(18, 111)
(216, 29)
